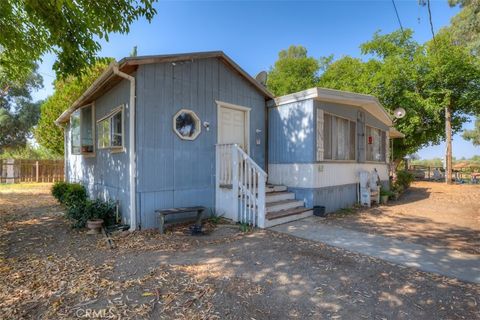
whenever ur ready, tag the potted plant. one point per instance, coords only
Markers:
(396, 191)
(94, 226)
(98, 212)
(384, 195)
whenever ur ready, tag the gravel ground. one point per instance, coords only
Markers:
(429, 213)
(49, 271)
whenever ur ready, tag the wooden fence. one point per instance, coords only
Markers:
(14, 171)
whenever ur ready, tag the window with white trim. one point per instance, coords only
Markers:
(82, 131)
(376, 144)
(339, 138)
(110, 130)
(186, 124)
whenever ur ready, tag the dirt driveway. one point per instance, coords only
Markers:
(49, 271)
(430, 213)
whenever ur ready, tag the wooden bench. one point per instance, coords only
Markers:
(166, 212)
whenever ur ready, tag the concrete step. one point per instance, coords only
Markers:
(274, 188)
(283, 205)
(283, 217)
(285, 213)
(279, 196)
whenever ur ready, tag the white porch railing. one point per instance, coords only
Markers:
(240, 186)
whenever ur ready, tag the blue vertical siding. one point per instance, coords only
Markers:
(292, 129)
(106, 175)
(291, 133)
(173, 172)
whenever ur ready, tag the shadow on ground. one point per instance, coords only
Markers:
(261, 275)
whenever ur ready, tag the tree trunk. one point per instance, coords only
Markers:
(448, 142)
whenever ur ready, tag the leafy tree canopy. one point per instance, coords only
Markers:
(473, 135)
(423, 79)
(465, 25)
(69, 29)
(400, 72)
(293, 71)
(30, 152)
(18, 113)
(66, 91)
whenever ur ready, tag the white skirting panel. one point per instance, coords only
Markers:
(319, 175)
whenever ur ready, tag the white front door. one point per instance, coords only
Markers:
(233, 125)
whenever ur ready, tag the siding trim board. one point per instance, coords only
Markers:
(333, 198)
(318, 175)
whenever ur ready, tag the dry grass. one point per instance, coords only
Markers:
(430, 213)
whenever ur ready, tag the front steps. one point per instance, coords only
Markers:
(282, 207)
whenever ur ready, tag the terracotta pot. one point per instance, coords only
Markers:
(95, 226)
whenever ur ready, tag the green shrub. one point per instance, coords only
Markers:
(404, 178)
(59, 189)
(245, 227)
(99, 209)
(79, 208)
(76, 214)
(215, 218)
(80, 213)
(76, 195)
(384, 192)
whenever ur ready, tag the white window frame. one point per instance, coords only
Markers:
(94, 127)
(322, 151)
(366, 144)
(197, 120)
(114, 149)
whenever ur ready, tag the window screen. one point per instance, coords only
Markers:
(339, 138)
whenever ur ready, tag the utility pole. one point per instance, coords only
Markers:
(448, 142)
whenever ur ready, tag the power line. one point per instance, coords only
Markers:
(398, 16)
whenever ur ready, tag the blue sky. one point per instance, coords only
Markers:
(253, 32)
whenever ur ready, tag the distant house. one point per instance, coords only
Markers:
(191, 129)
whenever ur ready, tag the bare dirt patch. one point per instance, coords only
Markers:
(49, 271)
(429, 213)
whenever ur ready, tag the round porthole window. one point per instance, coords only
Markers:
(186, 124)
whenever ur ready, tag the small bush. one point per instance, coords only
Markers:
(245, 227)
(59, 189)
(404, 179)
(215, 217)
(99, 209)
(80, 213)
(80, 209)
(76, 214)
(384, 192)
(76, 195)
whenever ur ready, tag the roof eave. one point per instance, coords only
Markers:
(134, 61)
(337, 96)
(395, 134)
(104, 77)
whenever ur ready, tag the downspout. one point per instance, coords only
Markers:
(65, 151)
(131, 149)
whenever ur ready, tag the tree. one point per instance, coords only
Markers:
(473, 135)
(67, 28)
(423, 79)
(66, 91)
(465, 26)
(293, 71)
(453, 82)
(18, 113)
